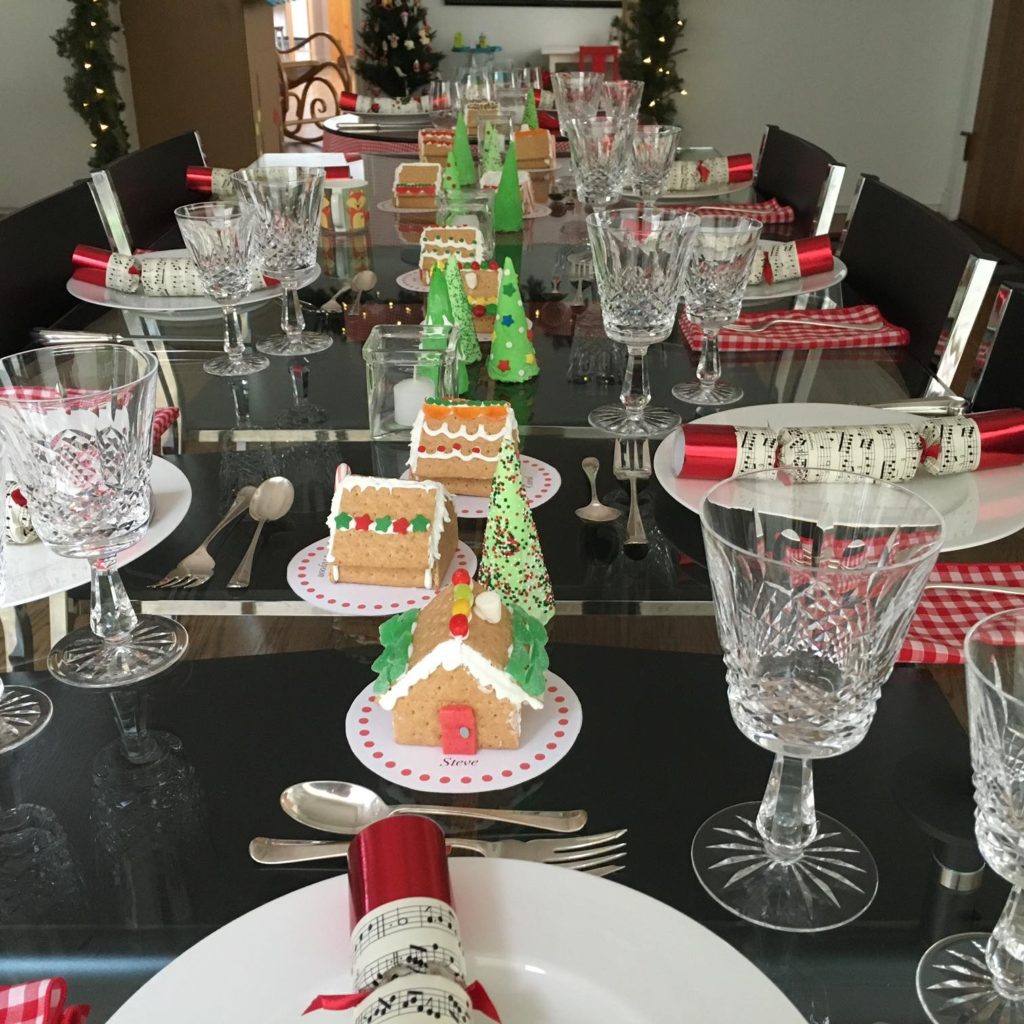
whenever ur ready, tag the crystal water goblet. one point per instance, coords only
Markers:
(622, 98)
(978, 976)
(287, 202)
(639, 257)
(577, 93)
(510, 86)
(444, 101)
(814, 587)
(221, 240)
(476, 84)
(715, 283)
(654, 150)
(77, 425)
(600, 150)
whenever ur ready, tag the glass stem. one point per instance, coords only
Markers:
(1005, 950)
(111, 615)
(786, 820)
(636, 386)
(292, 321)
(136, 743)
(709, 369)
(299, 369)
(233, 345)
(13, 816)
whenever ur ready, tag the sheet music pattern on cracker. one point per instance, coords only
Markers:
(822, 454)
(952, 444)
(433, 998)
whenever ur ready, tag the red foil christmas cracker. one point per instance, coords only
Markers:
(106, 269)
(215, 181)
(785, 261)
(358, 104)
(407, 955)
(890, 452)
(985, 440)
(706, 452)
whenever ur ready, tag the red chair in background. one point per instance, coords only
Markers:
(603, 59)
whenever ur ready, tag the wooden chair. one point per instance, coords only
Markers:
(799, 174)
(310, 89)
(36, 243)
(921, 270)
(603, 59)
(137, 194)
(994, 380)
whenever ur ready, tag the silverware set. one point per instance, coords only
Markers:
(343, 808)
(266, 503)
(632, 462)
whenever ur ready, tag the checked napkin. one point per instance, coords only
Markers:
(771, 211)
(39, 1002)
(943, 618)
(801, 331)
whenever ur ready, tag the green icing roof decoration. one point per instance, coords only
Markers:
(396, 638)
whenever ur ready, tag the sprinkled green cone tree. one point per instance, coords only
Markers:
(469, 346)
(439, 313)
(512, 357)
(490, 157)
(512, 562)
(508, 204)
(530, 111)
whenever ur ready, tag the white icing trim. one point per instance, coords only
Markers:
(452, 654)
(420, 428)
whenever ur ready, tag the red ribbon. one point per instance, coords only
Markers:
(813, 256)
(1002, 437)
(478, 998)
(710, 452)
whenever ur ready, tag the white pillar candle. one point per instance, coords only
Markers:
(410, 395)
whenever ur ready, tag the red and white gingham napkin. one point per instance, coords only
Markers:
(800, 331)
(771, 211)
(39, 1002)
(943, 618)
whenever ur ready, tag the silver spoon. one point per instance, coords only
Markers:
(270, 501)
(595, 512)
(344, 809)
(332, 305)
(364, 281)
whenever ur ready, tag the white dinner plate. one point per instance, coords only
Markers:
(34, 571)
(796, 285)
(351, 120)
(180, 306)
(548, 944)
(976, 507)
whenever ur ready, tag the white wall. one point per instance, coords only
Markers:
(45, 146)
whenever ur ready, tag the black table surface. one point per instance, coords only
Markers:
(658, 754)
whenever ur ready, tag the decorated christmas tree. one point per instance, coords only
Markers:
(450, 176)
(439, 314)
(490, 156)
(464, 166)
(649, 31)
(395, 54)
(508, 203)
(530, 111)
(512, 562)
(512, 357)
(469, 346)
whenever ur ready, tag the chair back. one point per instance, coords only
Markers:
(994, 382)
(138, 193)
(921, 270)
(310, 90)
(602, 59)
(36, 243)
(799, 174)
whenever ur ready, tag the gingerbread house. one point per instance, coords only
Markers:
(456, 442)
(464, 244)
(481, 283)
(395, 533)
(535, 149)
(457, 673)
(490, 180)
(416, 186)
(435, 144)
(477, 111)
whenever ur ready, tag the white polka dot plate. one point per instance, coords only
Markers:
(547, 736)
(307, 576)
(412, 282)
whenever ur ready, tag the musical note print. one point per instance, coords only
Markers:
(402, 915)
(411, 958)
(755, 449)
(951, 445)
(822, 454)
(435, 999)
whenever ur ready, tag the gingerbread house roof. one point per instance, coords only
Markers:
(462, 420)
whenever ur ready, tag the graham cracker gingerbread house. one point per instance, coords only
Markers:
(464, 244)
(416, 186)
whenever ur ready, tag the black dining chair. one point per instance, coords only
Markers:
(799, 174)
(998, 367)
(138, 193)
(36, 243)
(922, 271)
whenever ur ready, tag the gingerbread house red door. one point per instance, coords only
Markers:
(458, 729)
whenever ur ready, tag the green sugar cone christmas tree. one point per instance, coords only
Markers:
(512, 562)
(463, 155)
(490, 156)
(469, 346)
(450, 176)
(530, 111)
(512, 357)
(508, 204)
(439, 313)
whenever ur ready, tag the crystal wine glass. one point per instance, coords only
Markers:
(622, 98)
(600, 149)
(77, 424)
(640, 257)
(814, 586)
(715, 283)
(287, 202)
(577, 93)
(445, 103)
(476, 84)
(977, 976)
(222, 243)
(654, 150)
(510, 92)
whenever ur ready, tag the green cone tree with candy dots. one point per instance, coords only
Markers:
(512, 357)
(469, 345)
(450, 176)
(463, 155)
(508, 203)
(490, 157)
(439, 314)
(512, 562)
(530, 111)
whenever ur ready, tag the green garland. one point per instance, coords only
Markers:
(92, 87)
(649, 31)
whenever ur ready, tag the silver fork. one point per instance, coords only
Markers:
(195, 569)
(581, 853)
(804, 322)
(632, 462)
